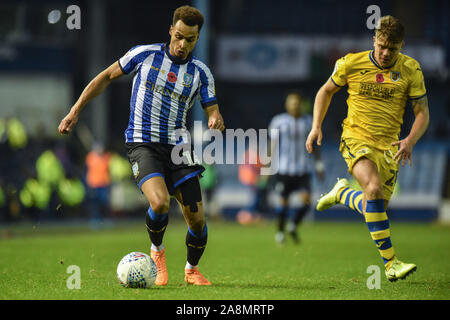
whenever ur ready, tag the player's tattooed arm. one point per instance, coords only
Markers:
(422, 118)
(93, 89)
(420, 125)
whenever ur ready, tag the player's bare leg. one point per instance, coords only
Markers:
(156, 192)
(366, 173)
(374, 208)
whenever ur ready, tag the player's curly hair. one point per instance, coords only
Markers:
(390, 28)
(189, 15)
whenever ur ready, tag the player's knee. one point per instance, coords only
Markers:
(195, 219)
(160, 203)
(374, 190)
(197, 225)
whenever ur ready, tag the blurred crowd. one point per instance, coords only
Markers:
(42, 180)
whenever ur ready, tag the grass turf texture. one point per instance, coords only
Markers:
(242, 262)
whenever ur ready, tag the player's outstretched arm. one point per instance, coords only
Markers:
(420, 125)
(215, 120)
(321, 104)
(93, 89)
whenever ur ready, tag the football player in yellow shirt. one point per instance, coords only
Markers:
(379, 81)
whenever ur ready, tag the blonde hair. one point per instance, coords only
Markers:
(390, 28)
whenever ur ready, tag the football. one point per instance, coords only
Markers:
(136, 270)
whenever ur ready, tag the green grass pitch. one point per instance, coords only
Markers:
(242, 262)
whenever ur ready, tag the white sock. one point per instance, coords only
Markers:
(159, 248)
(190, 266)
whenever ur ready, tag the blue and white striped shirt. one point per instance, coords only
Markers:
(292, 133)
(164, 89)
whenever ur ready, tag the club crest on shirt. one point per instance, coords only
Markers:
(395, 76)
(135, 168)
(187, 79)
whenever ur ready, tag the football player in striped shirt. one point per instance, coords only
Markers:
(295, 165)
(380, 82)
(167, 79)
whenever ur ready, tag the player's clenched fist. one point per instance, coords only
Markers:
(67, 123)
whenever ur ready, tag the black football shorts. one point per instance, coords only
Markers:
(286, 184)
(153, 159)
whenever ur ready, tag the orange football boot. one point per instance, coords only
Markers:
(159, 257)
(193, 276)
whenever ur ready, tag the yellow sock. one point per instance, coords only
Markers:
(351, 198)
(378, 224)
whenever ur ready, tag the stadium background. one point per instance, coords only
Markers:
(257, 51)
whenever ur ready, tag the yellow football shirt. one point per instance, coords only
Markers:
(377, 96)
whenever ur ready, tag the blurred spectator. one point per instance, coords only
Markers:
(71, 192)
(119, 168)
(38, 195)
(35, 197)
(49, 169)
(249, 175)
(13, 140)
(17, 135)
(98, 180)
(208, 183)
